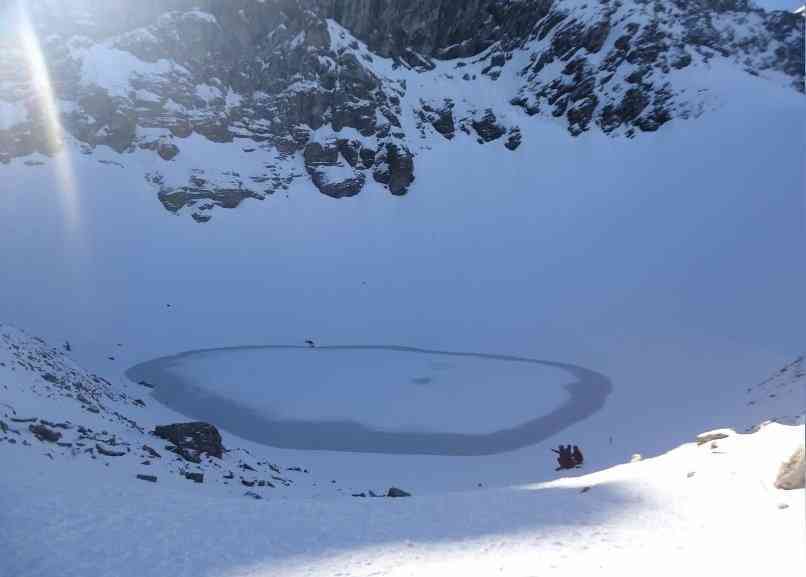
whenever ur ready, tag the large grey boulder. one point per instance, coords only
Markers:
(191, 440)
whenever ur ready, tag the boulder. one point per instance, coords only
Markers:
(514, 139)
(192, 439)
(108, 452)
(395, 492)
(149, 478)
(43, 433)
(792, 474)
(195, 477)
(167, 150)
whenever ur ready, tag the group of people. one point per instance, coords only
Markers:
(568, 457)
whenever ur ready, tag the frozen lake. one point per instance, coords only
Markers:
(376, 398)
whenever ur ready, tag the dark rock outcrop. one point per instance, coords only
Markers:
(487, 127)
(395, 492)
(394, 167)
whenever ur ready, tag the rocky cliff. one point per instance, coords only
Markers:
(331, 90)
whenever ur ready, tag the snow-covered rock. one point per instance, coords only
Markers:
(715, 435)
(792, 474)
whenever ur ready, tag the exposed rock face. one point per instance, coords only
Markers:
(281, 83)
(191, 440)
(792, 474)
(394, 167)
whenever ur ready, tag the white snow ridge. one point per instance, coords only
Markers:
(387, 289)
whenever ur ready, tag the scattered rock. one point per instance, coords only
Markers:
(690, 474)
(395, 492)
(709, 436)
(146, 383)
(359, 494)
(150, 478)
(151, 452)
(783, 506)
(585, 489)
(253, 495)
(792, 474)
(108, 452)
(43, 433)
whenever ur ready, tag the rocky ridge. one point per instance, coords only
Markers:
(326, 90)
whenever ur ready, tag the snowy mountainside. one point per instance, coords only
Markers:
(94, 513)
(56, 410)
(781, 396)
(288, 93)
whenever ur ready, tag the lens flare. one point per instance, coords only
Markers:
(47, 114)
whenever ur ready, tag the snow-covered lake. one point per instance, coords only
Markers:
(376, 398)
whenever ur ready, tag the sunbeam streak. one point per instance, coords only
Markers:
(46, 112)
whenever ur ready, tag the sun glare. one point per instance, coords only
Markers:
(47, 111)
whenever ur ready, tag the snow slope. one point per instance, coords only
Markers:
(81, 497)
(679, 507)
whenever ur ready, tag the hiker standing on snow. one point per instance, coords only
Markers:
(577, 456)
(565, 458)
